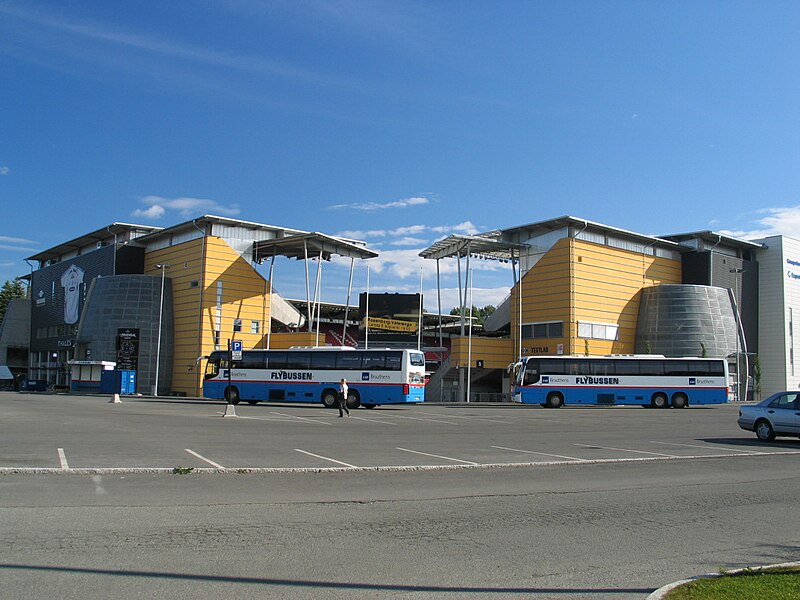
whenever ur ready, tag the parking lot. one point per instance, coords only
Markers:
(80, 434)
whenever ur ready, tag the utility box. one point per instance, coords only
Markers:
(118, 382)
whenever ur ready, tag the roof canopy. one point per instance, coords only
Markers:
(485, 246)
(310, 245)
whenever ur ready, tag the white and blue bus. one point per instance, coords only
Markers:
(374, 377)
(644, 380)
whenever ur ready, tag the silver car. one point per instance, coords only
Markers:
(777, 415)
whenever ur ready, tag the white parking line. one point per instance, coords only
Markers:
(63, 459)
(428, 420)
(476, 419)
(709, 447)
(338, 462)
(466, 462)
(372, 420)
(211, 462)
(626, 450)
(540, 453)
(301, 418)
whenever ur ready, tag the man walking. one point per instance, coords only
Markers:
(343, 398)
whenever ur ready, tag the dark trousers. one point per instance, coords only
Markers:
(342, 405)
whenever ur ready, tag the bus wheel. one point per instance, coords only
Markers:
(680, 400)
(353, 400)
(659, 400)
(329, 399)
(555, 400)
(232, 395)
(368, 405)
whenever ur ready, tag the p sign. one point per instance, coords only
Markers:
(236, 350)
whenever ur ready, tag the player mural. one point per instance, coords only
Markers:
(71, 281)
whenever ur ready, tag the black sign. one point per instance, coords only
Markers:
(127, 349)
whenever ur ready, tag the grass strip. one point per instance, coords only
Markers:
(782, 583)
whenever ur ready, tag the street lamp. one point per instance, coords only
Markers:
(736, 274)
(163, 268)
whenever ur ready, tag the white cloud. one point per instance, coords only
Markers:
(372, 206)
(16, 240)
(777, 221)
(465, 228)
(186, 207)
(408, 234)
(407, 241)
(410, 230)
(154, 212)
(356, 234)
(5, 170)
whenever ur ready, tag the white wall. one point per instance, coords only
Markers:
(778, 314)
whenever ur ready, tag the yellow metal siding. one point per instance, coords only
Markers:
(607, 282)
(281, 341)
(584, 281)
(245, 295)
(496, 353)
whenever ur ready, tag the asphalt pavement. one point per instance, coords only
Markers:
(432, 501)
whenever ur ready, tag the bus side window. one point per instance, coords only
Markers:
(276, 360)
(324, 361)
(626, 367)
(553, 366)
(394, 361)
(251, 359)
(347, 360)
(374, 360)
(298, 360)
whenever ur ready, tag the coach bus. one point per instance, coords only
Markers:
(374, 377)
(644, 380)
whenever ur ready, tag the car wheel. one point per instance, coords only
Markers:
(555, 400)
(680, 401)
(659, 400)
(232, 395)
(329, 399)
(764, 431)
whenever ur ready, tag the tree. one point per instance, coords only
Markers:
(11, 290)
(479, 314)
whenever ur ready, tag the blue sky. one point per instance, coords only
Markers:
(397, 122)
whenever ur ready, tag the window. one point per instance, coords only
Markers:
(786, 401)
(676, 368)
(548, 329)
(255, 326)
(598, 331)
(298, 360)
(554, 366)
(626, 367)
(276, 360)
(252, 359)
(237, 325)
(348, 360)
(323, 361)
(417, 359)
(394, 360)
(374, 361)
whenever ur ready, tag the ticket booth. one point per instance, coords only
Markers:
(87, 375)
